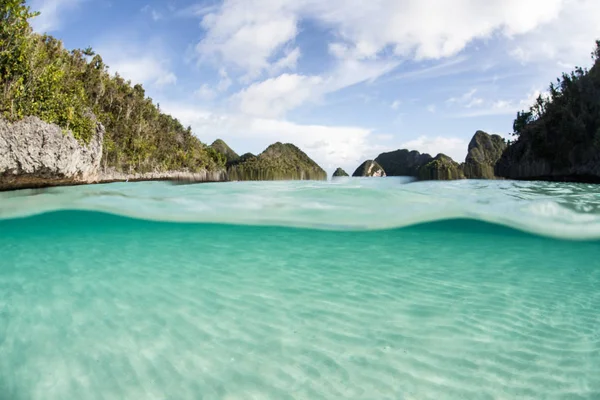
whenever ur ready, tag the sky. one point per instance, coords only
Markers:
(344, 80)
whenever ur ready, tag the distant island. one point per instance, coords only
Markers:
(339, 173)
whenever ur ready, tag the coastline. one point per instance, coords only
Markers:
(25, 182)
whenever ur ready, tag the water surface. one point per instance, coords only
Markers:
(357, 289)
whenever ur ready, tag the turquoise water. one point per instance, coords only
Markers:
(357, 289)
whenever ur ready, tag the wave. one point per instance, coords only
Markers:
(558, 210)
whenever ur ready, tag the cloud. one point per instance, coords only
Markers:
(166, 78)
(251, 33)
(224, 80)
(502, 106)
(567, 40)
(329, 146)
(246, 34)
(451, 146)
(275, 96)
(395, 104)
(205, 92)
(143, 63)
(154, 14)
(144, 69)
(467, 100)
(287, 61)
(431, 108)
(51, 14)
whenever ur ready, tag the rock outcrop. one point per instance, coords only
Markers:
(484, 152)
(34, 153)
(521, 161)
(340, 173)
(558, 138)
(278, 162)
(369, 168)
(403, 162)
(222, 147)
(441, 168)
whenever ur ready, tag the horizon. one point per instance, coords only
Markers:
(343, 82)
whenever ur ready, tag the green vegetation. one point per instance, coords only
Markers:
(278, 162)
(441, 168)
(222, 148)
(483, 154)
(38, 77)
(340, 173)
(563, 128)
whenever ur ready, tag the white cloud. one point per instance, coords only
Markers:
(142, 63)
(329, 146)
(395, 104)
(567, 40)
(247, 33)
(154, 14)
(168, 78)
(450, 146)
(250, 33)
(51, 13)
(431, 108)
(467, 100)
(503, 106)
(274, 97)
(146, 69)
(205, 92)
(224, 80)
(288, 61)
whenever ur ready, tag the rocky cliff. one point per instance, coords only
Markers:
(34, 153)
(369, 168)
(441, 168)
(522, 161)
(403, 162)
(278, 162)
(484, 152)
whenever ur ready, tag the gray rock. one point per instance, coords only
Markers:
(484, 152)
(369, 168)
(403, 162)
(34, 153)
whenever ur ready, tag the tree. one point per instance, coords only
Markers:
(14, 45)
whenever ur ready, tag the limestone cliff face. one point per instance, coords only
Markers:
(369, 168)
(484, 152)
(34, 153)
(340, 173)
(403, 162)
(441, 168)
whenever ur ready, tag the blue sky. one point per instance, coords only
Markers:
(342, 79)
